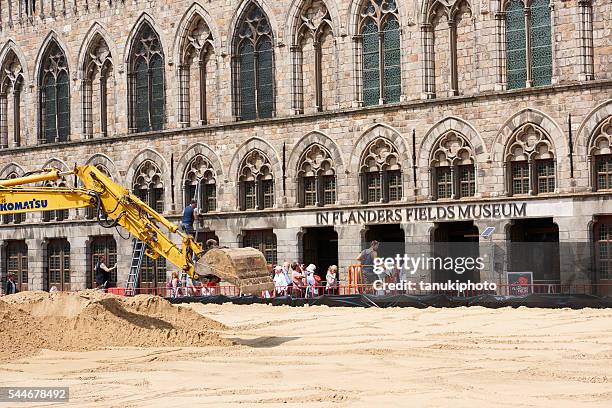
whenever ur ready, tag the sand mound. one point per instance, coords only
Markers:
(90, 320)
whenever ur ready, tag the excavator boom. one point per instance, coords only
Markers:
(116, 205)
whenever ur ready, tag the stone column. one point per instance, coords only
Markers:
(287, 244)
(493, 251)
(349, 248)
(418, 244)
(36, 264)
(78, 261)
(575, 250)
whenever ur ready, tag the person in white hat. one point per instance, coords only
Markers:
(310, 278)
(280, 283)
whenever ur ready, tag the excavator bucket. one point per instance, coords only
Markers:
(244, 267)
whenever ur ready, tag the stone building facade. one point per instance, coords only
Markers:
(307, 127)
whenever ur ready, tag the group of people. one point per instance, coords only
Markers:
(295, 279)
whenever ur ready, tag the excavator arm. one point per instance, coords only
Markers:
(116, 205)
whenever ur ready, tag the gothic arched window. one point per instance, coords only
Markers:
(380, 173)
(452, 172)
(148, 185)
(197, 73)
(254, 66)
(98, 89)
(201, 184)
(146, 82)
(380, 41)
(54, 89)
(528, 43)
(314, 59)
(600, 156)
(11, 87)
(530, 162)
(256, 182)
(316, 178)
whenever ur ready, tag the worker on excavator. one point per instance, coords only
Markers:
(189, 217)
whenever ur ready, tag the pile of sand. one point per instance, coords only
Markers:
(89, 320)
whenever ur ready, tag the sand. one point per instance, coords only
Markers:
(89, 320)
(338, 357)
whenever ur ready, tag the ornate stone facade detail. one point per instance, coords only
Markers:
(529, 143)
(452, 150)
(380, 155)
(316, 160)
(255, 166)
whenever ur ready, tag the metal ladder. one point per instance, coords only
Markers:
(137, 255)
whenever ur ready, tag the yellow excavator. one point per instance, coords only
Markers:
(115, 206)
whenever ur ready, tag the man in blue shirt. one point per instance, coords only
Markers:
(189, 216)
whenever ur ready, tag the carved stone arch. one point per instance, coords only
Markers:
(377, 132)
(52, 37)
(201, 149)
(96, 30)
(275, 28)
(459, 126)
(586, 132)
(11, 168)
(450, 149)
(151, 155)
(311, 139)
(294, 20)
(144, 18)
(316, 160)
(194, 11)
(529, 142)
(255, 144)
(537, 118)
(10, 47)
(100, 159)
(353, 16)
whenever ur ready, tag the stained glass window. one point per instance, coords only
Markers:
(265, 74)
(255, 82)
(247, 82)
(147, 65)
(546, 176)
(516, 60)
(541, 50)
(55, 97)
(371, 71)
(380, 28)
(392, 60)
